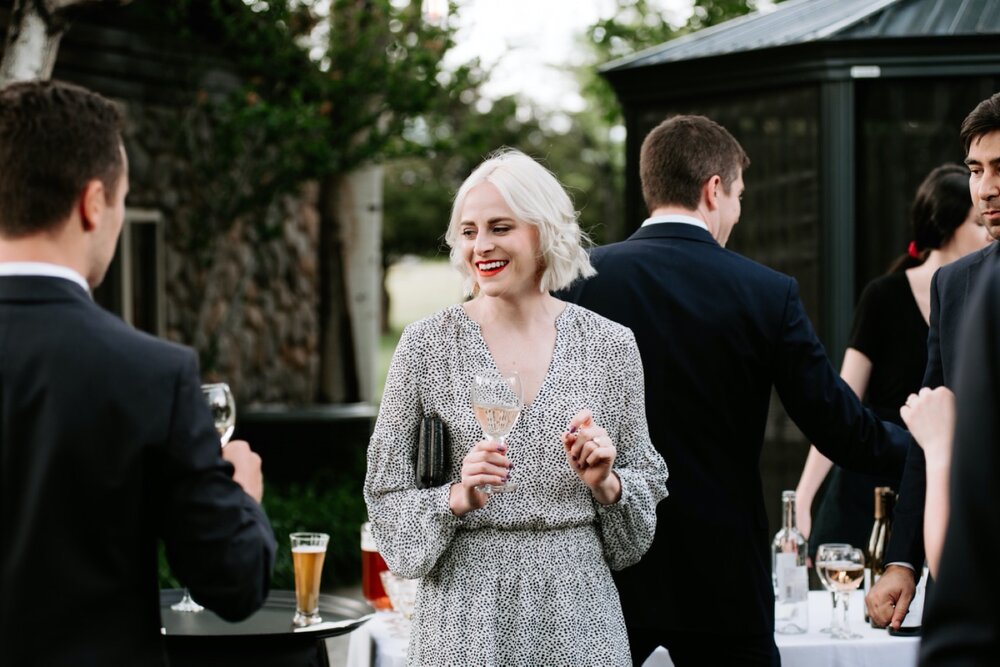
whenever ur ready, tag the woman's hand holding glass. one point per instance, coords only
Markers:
(591, 454)
(485, 464)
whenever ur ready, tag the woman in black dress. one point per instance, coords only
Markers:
(887, 352)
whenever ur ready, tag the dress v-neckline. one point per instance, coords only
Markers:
(556, 349)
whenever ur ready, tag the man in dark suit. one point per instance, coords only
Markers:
(716, 331)
(962, 619)
(889, 599)
(106, 444)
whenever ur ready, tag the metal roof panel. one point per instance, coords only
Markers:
(801, 21)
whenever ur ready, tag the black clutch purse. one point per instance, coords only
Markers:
(432, 453)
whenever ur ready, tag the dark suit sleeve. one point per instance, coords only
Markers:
(218, 540)
(906, 544)
(822, 405)
(962, 621)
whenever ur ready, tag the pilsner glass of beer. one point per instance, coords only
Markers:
(372, 566)
(308, 554)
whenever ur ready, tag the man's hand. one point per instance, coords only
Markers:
(889, 599)
(246, 468)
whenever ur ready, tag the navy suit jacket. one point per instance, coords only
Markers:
(950, 290)
(106, 447)
(717, 332)
(962, 619)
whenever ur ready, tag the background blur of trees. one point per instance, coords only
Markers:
(585, 150)
(330, 85)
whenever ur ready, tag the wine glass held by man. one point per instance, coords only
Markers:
(532, 567)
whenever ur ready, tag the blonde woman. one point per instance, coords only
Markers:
(519, 578)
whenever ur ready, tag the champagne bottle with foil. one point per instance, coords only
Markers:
(878, 541)
(791, 581)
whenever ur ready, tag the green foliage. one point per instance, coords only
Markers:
(635, 25)
(320, 95)
(331, 502)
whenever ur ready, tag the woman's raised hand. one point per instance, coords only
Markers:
(486, 463)
(591, 455)
(930, 416)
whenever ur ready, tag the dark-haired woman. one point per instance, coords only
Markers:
(885, 358)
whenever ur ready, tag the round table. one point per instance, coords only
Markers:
(265, 639)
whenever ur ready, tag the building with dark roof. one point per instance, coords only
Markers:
(843, 107)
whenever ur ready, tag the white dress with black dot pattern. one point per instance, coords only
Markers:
(524, 580)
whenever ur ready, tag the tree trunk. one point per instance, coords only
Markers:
(338, 378)
(36, 26)
(32, 43)
(360, 216)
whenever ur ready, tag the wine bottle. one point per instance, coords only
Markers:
(788, 566)
(879, 538)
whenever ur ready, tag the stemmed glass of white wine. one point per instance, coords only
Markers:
(223, 406)
(497, 403)
(841, 568)
(221, 403)
(834, 620)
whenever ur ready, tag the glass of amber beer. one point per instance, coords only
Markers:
(372, 567)
(308, 553)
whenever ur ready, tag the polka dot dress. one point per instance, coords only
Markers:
(526, 579)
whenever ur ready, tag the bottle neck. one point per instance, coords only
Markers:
(788, 511)
(883, 502)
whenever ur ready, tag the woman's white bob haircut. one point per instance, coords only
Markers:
(535, 196)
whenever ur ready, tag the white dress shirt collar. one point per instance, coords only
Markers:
(685, 219)
(43, 269)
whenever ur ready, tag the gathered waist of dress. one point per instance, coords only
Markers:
(518, 542)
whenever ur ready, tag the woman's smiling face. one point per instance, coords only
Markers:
(500, 251)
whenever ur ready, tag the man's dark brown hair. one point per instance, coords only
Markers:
(683, 152)
(54, 139)
(985, 118)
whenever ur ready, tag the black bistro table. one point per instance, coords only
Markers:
(266, 639)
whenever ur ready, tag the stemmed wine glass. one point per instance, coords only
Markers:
(497, 403)
(220, 401)
(223, 406)
(834, 621)
(841, 568)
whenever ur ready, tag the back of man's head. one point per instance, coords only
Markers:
(984, 119)
(54, 139)
(681, 154)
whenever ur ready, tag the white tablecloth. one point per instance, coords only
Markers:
(382, 642)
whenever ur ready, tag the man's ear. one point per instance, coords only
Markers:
(92, 204)
(710, 192)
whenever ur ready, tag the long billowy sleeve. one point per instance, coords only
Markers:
(412, 527)
(628, 526)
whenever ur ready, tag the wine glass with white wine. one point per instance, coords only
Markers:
(841, 569)
(497, 403)
(821, 573)
(222, 405)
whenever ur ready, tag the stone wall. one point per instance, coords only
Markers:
(245, 298)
